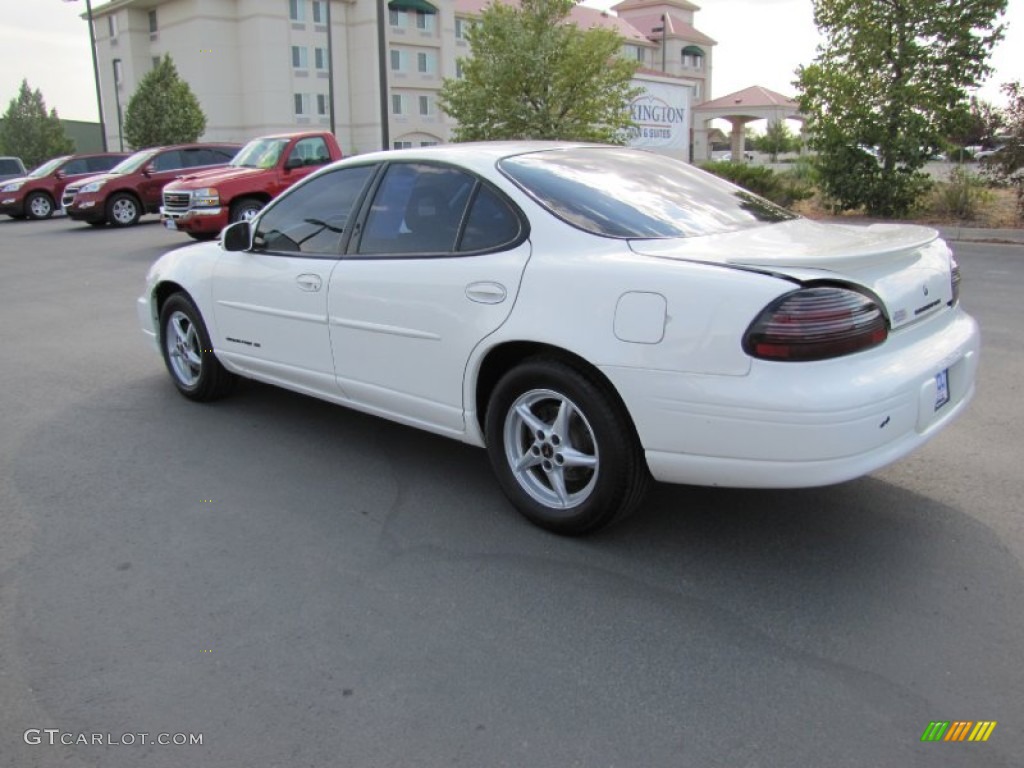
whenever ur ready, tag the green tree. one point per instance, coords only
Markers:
(30, 132)
(979, 126)
(1008, 163)
(532, 74)
(163, 110)
(777, 139)
(890, 79)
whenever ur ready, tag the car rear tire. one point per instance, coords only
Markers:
(39, 205)
(188, 352)
(564, 450)
(123, 210)
(245, 209)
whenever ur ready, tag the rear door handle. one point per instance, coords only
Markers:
(486, 292)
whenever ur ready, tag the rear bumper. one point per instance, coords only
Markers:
(792, 425)
(204, 221)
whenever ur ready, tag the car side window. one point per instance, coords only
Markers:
(168, 161)
(491, 223)
(75, 167)
(312, 218)
(309, 151)
(100, 164)
(418, 209)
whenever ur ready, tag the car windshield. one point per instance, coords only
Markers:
(617, 192)
(133, 163)
(47, 168)
(260, 153)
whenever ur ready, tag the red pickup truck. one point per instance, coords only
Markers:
(202, 204)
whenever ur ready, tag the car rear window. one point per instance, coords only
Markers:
(625, 193)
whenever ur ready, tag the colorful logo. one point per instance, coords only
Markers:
(959, 730)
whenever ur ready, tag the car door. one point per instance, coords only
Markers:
(270, 302)
(162, 169)
(435, 268)
(305, 156)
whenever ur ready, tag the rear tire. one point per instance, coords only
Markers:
(123, 210)
(564, 449)
(188, 352)
(38, 205)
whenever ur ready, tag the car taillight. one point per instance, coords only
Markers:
(954, 278)
(816, 323)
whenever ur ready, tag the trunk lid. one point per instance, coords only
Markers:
(906, 266)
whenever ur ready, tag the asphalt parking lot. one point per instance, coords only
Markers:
(301, 585)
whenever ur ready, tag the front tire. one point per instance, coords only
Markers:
(245, 209)
(564, 450)
(123, 210)
(38, 205)
(188, 352)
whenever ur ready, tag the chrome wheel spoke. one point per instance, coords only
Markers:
(532, 422)
(557, 478)
(574, 458)
(526, 461)
(561, 425)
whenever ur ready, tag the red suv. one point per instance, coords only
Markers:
(133, 187)
(37, 195)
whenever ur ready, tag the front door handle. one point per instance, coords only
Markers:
(309, 282)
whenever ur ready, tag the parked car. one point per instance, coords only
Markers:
(593, 315)
(11, 168)
(37, 195)
(133, 187)
(202, 204)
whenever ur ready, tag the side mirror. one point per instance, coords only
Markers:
(292, 163)
(60, 174)
(149, 170)
(237, 236)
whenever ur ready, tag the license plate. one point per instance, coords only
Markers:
(169, 223)
(941, 389)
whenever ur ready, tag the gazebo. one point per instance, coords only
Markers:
(742, 107)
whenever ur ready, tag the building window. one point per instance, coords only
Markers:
(462, 26)
(118, 73)
(301, 103)
(460, 70)
(399, 60)
(297, 10)
(320, 58)
(152, 22)
(693, 57)
(319, 12)
(697, 91)
(428, 143)
(633, 53)
(424, 21)
(155, 61)
(299, 57)
(426, 106)
(426, 62)
(402, 145)
(398, 18)
(398, 104)
(321, 104)
(112, 25)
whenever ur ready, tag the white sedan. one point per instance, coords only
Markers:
(595, 316)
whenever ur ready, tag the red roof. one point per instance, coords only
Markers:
(754, 96)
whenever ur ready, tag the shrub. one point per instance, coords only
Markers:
(781, 188)
(962, 196)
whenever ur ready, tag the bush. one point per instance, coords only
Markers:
(962, 196)
(781, 188)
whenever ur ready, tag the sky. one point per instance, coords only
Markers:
(760, 42)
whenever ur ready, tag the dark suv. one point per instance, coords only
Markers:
(37, 194)
(134, 186)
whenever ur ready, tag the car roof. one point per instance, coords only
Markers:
(472, 154)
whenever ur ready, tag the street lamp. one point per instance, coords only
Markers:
(95, 69)
(664, 34)
(382, 68)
